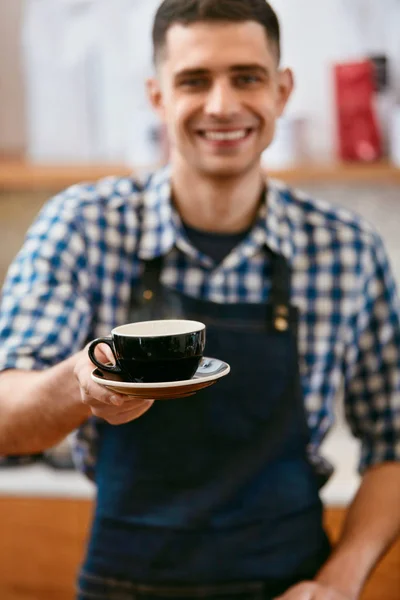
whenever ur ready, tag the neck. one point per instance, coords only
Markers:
(217, 204)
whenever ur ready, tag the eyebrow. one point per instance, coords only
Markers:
(250, 67)
(243, 68)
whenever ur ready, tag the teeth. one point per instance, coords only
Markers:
(220, 136)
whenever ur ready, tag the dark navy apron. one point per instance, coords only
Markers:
(212, 496)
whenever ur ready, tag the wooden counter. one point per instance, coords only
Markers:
(17, 175)
(42, 543)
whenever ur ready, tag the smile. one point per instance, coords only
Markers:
(225, 136)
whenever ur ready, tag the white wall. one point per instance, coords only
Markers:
(12, 120)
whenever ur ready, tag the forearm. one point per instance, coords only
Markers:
(38, 409)
(372, 524)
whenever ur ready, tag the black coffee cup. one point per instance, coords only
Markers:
(154, 351)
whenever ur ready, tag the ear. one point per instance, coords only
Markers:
(155, 96)
(285, 89)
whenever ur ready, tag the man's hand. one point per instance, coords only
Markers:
(310, 590)
(114, 408)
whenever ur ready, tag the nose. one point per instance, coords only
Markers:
(222, 100)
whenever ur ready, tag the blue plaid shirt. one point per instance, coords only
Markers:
(71, 282)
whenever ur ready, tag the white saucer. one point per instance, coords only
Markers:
(209, 371)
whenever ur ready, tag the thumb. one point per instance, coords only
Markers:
(104, 353)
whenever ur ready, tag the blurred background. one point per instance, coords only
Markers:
(73, 108)
(72, 73)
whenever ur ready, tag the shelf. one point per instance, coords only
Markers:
(20, 176)
(346, 173)
(38, 480)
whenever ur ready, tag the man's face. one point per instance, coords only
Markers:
(219, 92)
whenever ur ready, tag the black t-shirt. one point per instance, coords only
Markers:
(215, 245)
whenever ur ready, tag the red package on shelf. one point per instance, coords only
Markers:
(358, 132)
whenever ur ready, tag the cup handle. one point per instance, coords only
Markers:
(106, 340)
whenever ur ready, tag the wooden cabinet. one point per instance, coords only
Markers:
(42, 543)
(19, 175)
(41, 546)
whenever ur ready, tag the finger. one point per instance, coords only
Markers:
(328, 594)
(129, 416)
(304, 591)
(93, 393)
(119, 418)
(92, 390)
(108, 410)
(296, 595)
(83, 374)
(104, 353)
(96, 395)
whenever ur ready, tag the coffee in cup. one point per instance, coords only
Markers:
(154, 351)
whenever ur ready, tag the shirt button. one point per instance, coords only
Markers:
(281, 324)
(148, 294)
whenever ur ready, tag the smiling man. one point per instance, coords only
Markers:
(214, 496)
(220, 91)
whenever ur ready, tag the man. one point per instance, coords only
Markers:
(214, 496)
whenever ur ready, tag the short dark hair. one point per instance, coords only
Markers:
(187, 12)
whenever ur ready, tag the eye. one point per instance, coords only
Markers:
(247, 80)
(194, 83)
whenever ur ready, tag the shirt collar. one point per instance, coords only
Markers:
(161, 228)
(279, 227)
(158, 231)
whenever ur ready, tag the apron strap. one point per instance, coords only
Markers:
(281, 277)
(283, 314)
(151, 283)
(280, 293)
